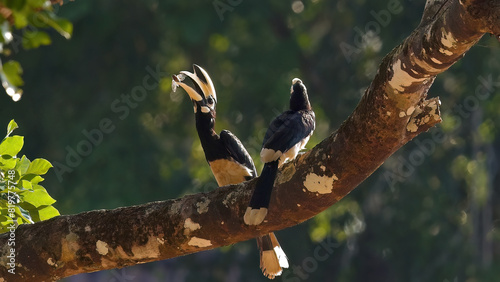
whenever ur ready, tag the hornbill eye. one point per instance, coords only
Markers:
(210, 101)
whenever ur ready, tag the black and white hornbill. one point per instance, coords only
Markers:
(286, 136)
(228, 159)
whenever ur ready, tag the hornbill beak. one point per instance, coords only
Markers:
(206, 83)
(203, 91)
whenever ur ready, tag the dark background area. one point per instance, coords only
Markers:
(430, 213)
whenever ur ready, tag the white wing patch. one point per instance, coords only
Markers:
(269, 155)
(291, 153)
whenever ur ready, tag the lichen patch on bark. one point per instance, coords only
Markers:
(319, 184)
(175, 207)
(286, 173)
(445, 52)
(202, 206)
(230, 199)
(69, 247)
(51, 262)
(401, 78)
(447, 39)
(102, 247)
(190, 226)
(199, 242)
(149, 250)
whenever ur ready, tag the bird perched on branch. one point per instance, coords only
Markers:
(228, 159)
(286, 136)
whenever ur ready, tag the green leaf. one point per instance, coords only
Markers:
(11, 145)
(33, 178)
(37, 3)
(13, 71)
(33, 202)
(26, 184)
(5, 222)
(23, 214)
(37, 179)
(7, 162)
(63, 26)
(33, 39)
(43, 213)
(15, 4)
(12, 125)
(38, 197)
(39, 166)
(3, 209)
(15, 190)
(23, 165)
(20, 20)
(47, 212)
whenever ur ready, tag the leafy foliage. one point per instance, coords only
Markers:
(27, 17)
(22, 198)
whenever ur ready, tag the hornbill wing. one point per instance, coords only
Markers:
(237, 151)
(286, 131)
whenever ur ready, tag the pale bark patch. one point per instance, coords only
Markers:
(319, 184)
(102, 247)
(199, 242)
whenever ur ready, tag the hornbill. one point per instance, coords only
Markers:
(286, 136)
(228, 159)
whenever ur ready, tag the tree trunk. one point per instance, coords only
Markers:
(393, 111)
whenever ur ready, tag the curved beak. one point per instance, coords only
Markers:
(177, 81)
(203, 85)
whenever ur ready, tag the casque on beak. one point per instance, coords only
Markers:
(206, 84)
(203, 93)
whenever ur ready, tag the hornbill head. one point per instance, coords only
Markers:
(203, 94)
(299, 100)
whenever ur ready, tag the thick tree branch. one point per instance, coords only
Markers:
(393, 111)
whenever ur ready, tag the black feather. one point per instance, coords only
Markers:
(288, 129)
(262, 193)
(237, 151)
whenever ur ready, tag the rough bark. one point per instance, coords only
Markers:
(393, 111)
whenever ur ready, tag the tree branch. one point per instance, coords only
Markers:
(393, 111)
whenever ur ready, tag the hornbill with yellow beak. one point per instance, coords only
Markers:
(228, 159)
(286, 136)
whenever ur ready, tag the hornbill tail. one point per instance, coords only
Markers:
(257, 209)
(272, 257)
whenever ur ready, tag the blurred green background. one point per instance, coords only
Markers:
(430, 213)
